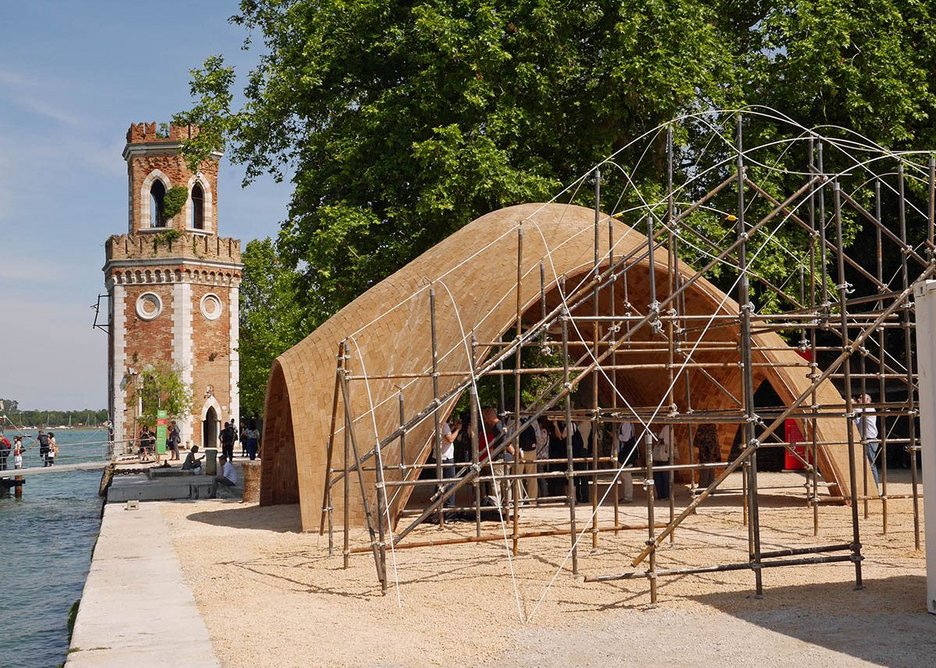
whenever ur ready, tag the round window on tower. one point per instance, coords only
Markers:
(211, 306)
(148, 306)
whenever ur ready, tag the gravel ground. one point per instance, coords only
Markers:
(271, 595)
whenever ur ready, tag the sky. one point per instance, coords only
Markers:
(73, 77)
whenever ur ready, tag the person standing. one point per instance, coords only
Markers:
(706, 440)
(490, 439)
(542, 429)
(5, 448)
(53, 449)
(662, 453)
(173, 440)
(866, 424)
(251, 439)
(450, 430)
(626, 451)
(145, 443)
(17, 452)
(43, 439)
(527, 459)
(227, 441)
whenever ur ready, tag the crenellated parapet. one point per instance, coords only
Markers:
(180, 246)
(147, 133)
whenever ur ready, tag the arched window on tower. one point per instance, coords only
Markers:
(198, 207)
(157, 195)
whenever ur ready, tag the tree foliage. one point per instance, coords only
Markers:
(161, 388)
(271, 320)
(16, 417)
(400, 122)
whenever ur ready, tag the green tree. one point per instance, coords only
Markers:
(401, 122)
(270, 320)
(405, 121)
(161, 388)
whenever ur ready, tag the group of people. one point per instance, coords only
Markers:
(248, 434)
(48, 449)
(14, 449)
(542, 448)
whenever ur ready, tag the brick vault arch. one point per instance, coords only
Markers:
(474, 275)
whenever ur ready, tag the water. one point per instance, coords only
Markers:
(46, 539)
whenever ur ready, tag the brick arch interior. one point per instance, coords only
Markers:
(279, 482)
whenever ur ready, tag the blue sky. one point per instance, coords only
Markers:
(73, 77)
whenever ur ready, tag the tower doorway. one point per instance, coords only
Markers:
(210, 428)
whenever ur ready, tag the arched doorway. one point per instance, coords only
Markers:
(210, 428)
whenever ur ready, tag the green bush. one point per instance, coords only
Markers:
(173, 201)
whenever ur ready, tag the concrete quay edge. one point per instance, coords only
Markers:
(136, 609)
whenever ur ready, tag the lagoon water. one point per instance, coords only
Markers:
(46, 540)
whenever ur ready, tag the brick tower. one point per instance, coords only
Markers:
(172, 285)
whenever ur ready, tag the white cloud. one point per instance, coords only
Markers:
(36, 94)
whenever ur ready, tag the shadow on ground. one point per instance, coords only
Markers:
(261, 518)
(885, 623)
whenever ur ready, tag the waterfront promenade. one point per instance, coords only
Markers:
(136, 608)
(268, 594)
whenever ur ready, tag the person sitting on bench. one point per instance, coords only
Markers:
(192, 462)
(228, 476)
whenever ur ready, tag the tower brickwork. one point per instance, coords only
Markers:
(172, 284)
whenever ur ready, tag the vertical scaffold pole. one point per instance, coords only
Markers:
(614, 391)
(882, 388)
(368, 516)
(670, 324)
(437, 427)
(651, 521)
(346, 477)
(595, 423)
(381, 488)
(846, 369)
(747, 377)
(908, 349)
(570, 492)
(813, 365)
(515, 483)
(327, 510)
(473, 426)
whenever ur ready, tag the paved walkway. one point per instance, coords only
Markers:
(136, 609)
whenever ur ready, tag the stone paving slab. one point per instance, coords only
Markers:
(136, 609)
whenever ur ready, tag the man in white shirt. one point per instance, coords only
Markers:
(448, 455)
(866, 424)
(228, 476)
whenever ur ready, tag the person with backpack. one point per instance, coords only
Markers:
(43, 439)
(227, 438)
